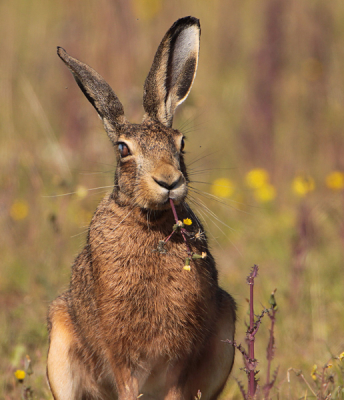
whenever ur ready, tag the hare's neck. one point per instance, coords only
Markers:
(136, 216)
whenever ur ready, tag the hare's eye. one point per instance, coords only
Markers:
(123, 150)
(182, 145)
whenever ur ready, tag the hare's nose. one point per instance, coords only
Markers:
(166, 184)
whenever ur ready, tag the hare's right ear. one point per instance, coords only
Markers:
(98, 92)
(173, 71)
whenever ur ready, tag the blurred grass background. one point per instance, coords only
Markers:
(264, 126)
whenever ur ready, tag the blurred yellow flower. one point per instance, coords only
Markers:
(265, 193)
(187, 221)
(222, 187)
(81, 191)
(20, 375)
(19, 210)
(314, 372)
(329, 365)
(257, 178)
(302, 185)
(341, 356)
(335, 180)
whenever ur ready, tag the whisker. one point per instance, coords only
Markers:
(194, 171)
(184, 125)
(211, 183)
(210, 196)
(68, 194)
(201, 158)
(194, 201)
(95, 172)
(211, 214)
(80, 233)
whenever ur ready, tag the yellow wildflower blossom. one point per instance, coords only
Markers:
(341, 356)
(302, 185)
(257, 178)
(187, 221)
(222, 187)
(187, 264)
(20, 375)
(19, 210)
(314, 372)
(335, 180)
(265, 193)
(81, 191)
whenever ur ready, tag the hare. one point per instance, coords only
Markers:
(134, 322)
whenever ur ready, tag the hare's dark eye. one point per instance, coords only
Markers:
(123, 149)
(182, 145)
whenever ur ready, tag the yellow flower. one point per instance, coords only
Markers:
(19, 210)
(20, 375)
(81, 191)
(329, 365)
(187, 221)
(257, 178)
(187, 264)
(265, 193)
(302, 185)
(314, 372)
(335, 180)
(341, 356)
(222, 187)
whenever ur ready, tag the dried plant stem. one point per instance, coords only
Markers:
(251, 338)
(270, 349)
(300, 374)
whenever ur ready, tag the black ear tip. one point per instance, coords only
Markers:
(185, 22)
(194, 21)
(188, 21)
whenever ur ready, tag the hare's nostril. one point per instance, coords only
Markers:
(166, 185)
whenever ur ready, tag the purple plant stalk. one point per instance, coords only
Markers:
(252, 384)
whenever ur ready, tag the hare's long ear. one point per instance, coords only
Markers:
(173, 71)
(97, 91)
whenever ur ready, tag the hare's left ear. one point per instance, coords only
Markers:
(173, 71)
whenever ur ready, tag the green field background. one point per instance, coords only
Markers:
(265, 146)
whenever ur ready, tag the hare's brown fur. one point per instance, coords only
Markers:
(133, 321)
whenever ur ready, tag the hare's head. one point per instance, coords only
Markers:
(151, 167)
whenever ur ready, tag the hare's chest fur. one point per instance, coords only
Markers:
(144, 296)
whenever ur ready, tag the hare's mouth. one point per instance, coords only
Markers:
(162, 202)
(156, 197)
(155, 194)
